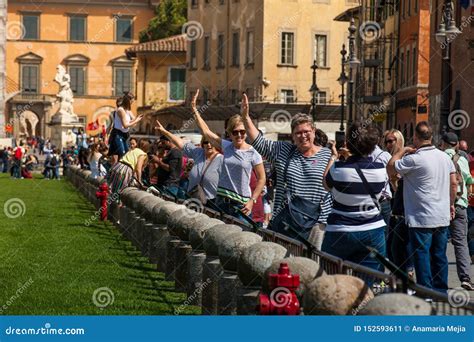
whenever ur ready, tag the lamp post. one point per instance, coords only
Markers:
(447, 32)
(340, 135)
(314, 91)
(353, 63)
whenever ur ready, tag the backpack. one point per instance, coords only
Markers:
(18, 153)
(54, 161)
(459, 178)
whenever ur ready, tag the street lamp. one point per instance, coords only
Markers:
(314, 91)
(447, 32)
(353, 63)
(340, 135)
(342, 80)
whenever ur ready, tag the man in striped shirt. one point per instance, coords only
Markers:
(356, 221)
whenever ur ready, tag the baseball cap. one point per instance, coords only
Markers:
(450, 138)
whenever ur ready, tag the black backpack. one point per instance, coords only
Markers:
(54, 161)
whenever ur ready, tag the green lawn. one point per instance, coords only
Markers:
(51, 262)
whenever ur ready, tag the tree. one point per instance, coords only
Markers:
(169, 19)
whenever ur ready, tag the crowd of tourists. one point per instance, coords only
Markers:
(407, 201)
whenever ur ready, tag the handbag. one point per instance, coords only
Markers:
(299, 215)
(198, 191)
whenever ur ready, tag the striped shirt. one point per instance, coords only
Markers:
(353, 208)
(304, 175)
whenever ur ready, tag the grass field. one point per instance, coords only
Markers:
(51, 263)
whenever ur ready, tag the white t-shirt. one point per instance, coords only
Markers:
(237, 166)
(426, 187)
(118, 123)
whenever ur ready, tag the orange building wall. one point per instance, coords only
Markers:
(53, 46)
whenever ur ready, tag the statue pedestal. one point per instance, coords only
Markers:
(62, 132)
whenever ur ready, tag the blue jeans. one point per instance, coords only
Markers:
(431, 262)
(17, 169)
(351, 246)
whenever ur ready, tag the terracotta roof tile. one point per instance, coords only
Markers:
(176, 43)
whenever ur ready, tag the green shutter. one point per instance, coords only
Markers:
(77, 28)
(177, 84)
(30, 23)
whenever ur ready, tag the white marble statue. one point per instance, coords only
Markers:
(65, 95)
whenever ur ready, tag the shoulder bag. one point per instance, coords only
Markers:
(198, 191)
(298, 215)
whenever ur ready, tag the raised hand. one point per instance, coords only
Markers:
(159, 127)
(245, 105)
(194, 100)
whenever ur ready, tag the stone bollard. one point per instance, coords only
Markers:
(146, 239)
(179, 225)
(182, 253)
(159, 238)
(171, 258)
(124, 213)
(195, 285)
(129, 224)
(160, 215)
(307, 269)
(137, 228)
(252, 265)
(212, 269)
(337, 294)
(390, 304)
(113, 212)
(229, 254)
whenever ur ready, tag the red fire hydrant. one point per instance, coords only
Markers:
(103, 195)
(282, 299)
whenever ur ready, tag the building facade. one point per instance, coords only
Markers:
(88, 38)
(161, 76)
(412, 99)
(266, 49)
(456, 74)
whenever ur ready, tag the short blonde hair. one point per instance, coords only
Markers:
(233, 121)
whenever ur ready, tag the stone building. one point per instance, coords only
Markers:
(88, 38)
(161, 76)
(412, 97)
(265, 48)
(458, 69)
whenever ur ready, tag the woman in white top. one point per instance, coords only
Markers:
(233, 190)
(123, 120)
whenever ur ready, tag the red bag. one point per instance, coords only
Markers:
(18, 153)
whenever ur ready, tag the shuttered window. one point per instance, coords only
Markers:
(77, 74)
(31, 25)
(177, 84)
(123, 81)
(29, 79)
(77, 28)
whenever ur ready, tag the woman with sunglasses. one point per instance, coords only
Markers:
(234, 195)
(399, 245)
(207, 164)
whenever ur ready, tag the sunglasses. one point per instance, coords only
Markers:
(239, 132)
(390, 141)
(205, 142)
